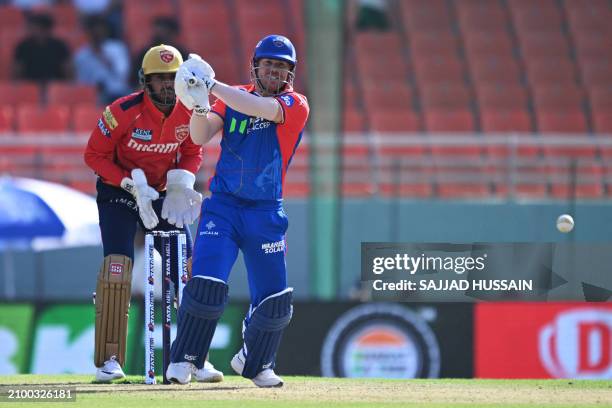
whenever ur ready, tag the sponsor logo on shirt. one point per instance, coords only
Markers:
(154, 147)
(181, 132)
(258, 124)
(142, 134)
(288, 99)
(109, 118)
(103, 128)
(210, 229)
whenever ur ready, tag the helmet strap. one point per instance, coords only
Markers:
(259, 84)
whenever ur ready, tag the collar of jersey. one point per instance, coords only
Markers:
(251, 89)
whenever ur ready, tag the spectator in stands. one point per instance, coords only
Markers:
(166, 30)
(110, 10)
(40, 56)
(372, 15)
(103, 62)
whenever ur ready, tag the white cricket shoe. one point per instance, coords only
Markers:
(208, 374)
(265, 379)
(111, 370)
(180, 372)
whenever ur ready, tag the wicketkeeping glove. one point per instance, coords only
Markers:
(182, 203)
(144, 195)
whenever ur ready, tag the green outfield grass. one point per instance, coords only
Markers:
(323, 392)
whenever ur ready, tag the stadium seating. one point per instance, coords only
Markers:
(38, 119)
(7, 118)
(71, 94)
(20, 92)
(474, 69)
(85, 117)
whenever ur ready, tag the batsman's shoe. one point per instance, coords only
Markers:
(180, 372)
(208, 374)
(111, 370)
(265, 379)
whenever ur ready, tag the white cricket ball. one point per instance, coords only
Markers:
(565, 223)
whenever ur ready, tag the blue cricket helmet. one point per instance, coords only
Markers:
(275, 47)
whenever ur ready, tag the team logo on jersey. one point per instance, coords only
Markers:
(103, 128)
(288, 99)
(181, 132)
(109, 118)
(166, 56)
(142, 134)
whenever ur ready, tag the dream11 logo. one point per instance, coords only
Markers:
(578, 344)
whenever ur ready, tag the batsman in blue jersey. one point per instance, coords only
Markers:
(261, 124)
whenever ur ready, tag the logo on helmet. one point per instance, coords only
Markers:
(166, 56)
(278, 43)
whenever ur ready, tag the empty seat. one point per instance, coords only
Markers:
(449, 121)
(395, 121)
(596, 73)
(378, 43)
(550, 70)
(549, 97)
(452, 96)
(376, 97)
(568, 121)
(600, 98)
(586, 190)
(437, 70)
(495, 69)
(7, 118)
(414, 190)
(19, 92)
(602, 122)
(42, 119)
(213, 45)
(85, 118)
(481, 17)
(428, 44)
(353, 120)
(482, 44)
(592, 44)
(425, 16)
(370, 68)
(537, 18)
(501, 96)
(71, 94)
(11, 17)
(505, 121)
(453, 189)
(593, 18)
(543, 44)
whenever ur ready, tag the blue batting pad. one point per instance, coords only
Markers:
(263, 332)
(201, 307)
